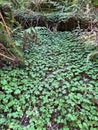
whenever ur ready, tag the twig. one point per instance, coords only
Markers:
(7, 30)
(7, 57)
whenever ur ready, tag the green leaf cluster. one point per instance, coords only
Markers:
(56, 90)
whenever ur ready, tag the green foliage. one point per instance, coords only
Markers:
(56, 90)
(95, 2)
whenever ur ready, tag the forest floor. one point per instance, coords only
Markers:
(58, 88)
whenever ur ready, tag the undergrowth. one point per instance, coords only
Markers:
(57, 90)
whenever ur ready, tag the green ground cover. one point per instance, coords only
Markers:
(57, 90)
